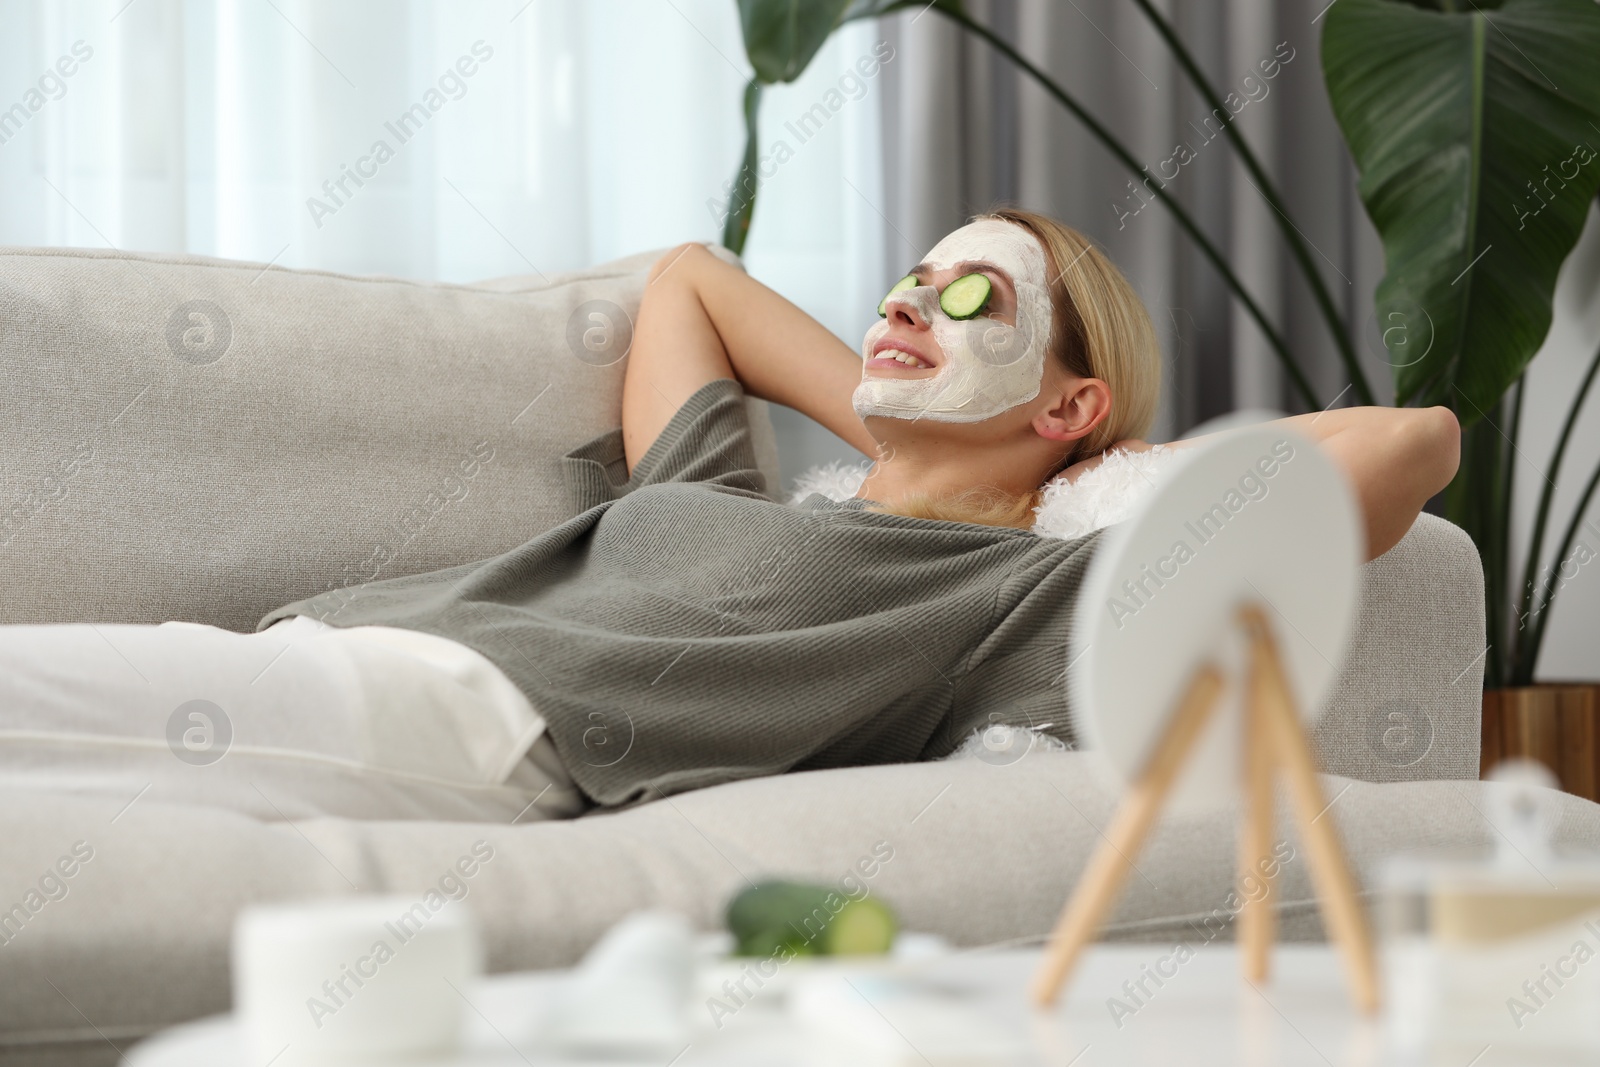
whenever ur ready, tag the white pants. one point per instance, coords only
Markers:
(297, 721)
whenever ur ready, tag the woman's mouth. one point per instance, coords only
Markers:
(889, 353)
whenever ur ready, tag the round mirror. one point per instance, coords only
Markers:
(1258, 513)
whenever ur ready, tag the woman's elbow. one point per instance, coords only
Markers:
(1410, 455)
(675, 261)
(1435, 447)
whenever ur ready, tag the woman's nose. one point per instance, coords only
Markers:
(913, 307)
(907, 315)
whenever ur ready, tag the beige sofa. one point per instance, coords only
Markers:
(205, 440)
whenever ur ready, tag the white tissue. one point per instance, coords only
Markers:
(874, 1020)
(630, 994)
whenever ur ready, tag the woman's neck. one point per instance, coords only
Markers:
(892, 480)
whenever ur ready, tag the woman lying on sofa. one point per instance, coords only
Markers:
(686, 628)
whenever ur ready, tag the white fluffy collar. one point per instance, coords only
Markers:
(1099, 497)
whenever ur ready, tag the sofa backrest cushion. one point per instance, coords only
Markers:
(192, 438)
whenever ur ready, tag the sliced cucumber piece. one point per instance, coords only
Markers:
(774, 943)
(908, 282)
(863, 927)
(966, 296)
(774, 915)
(770, 914)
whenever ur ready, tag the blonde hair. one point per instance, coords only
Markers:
(1101, 330)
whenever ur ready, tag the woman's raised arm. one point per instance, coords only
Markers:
(702, 319)
(1395, 458)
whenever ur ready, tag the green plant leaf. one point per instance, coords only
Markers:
(742, 196)
(1477, 136)
(781, 36)
(862, 9)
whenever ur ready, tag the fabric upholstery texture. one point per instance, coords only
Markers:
(204, 439)
(1408, 704)
(215, 491)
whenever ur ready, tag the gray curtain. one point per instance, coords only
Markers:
(964, 130)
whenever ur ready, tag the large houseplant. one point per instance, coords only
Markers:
(1476, 133)
(1471, 125)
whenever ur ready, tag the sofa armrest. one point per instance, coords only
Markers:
(1408, 703)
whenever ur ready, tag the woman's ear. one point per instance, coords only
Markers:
(1082, 404)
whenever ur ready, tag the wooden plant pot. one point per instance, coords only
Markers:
(1552, 722)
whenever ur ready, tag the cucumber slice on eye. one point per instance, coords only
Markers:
(966, 296)
(909, 281)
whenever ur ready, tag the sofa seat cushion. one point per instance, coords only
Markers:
(976, 851)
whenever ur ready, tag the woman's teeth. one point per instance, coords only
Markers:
(903, 357)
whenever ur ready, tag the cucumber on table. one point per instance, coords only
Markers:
(808, 920)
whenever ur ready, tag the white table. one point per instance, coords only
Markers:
(1204, 1014)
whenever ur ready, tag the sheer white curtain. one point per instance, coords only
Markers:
(436, 139)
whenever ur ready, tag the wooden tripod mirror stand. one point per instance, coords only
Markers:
(1152, 675)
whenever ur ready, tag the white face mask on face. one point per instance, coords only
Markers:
(988, 367)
